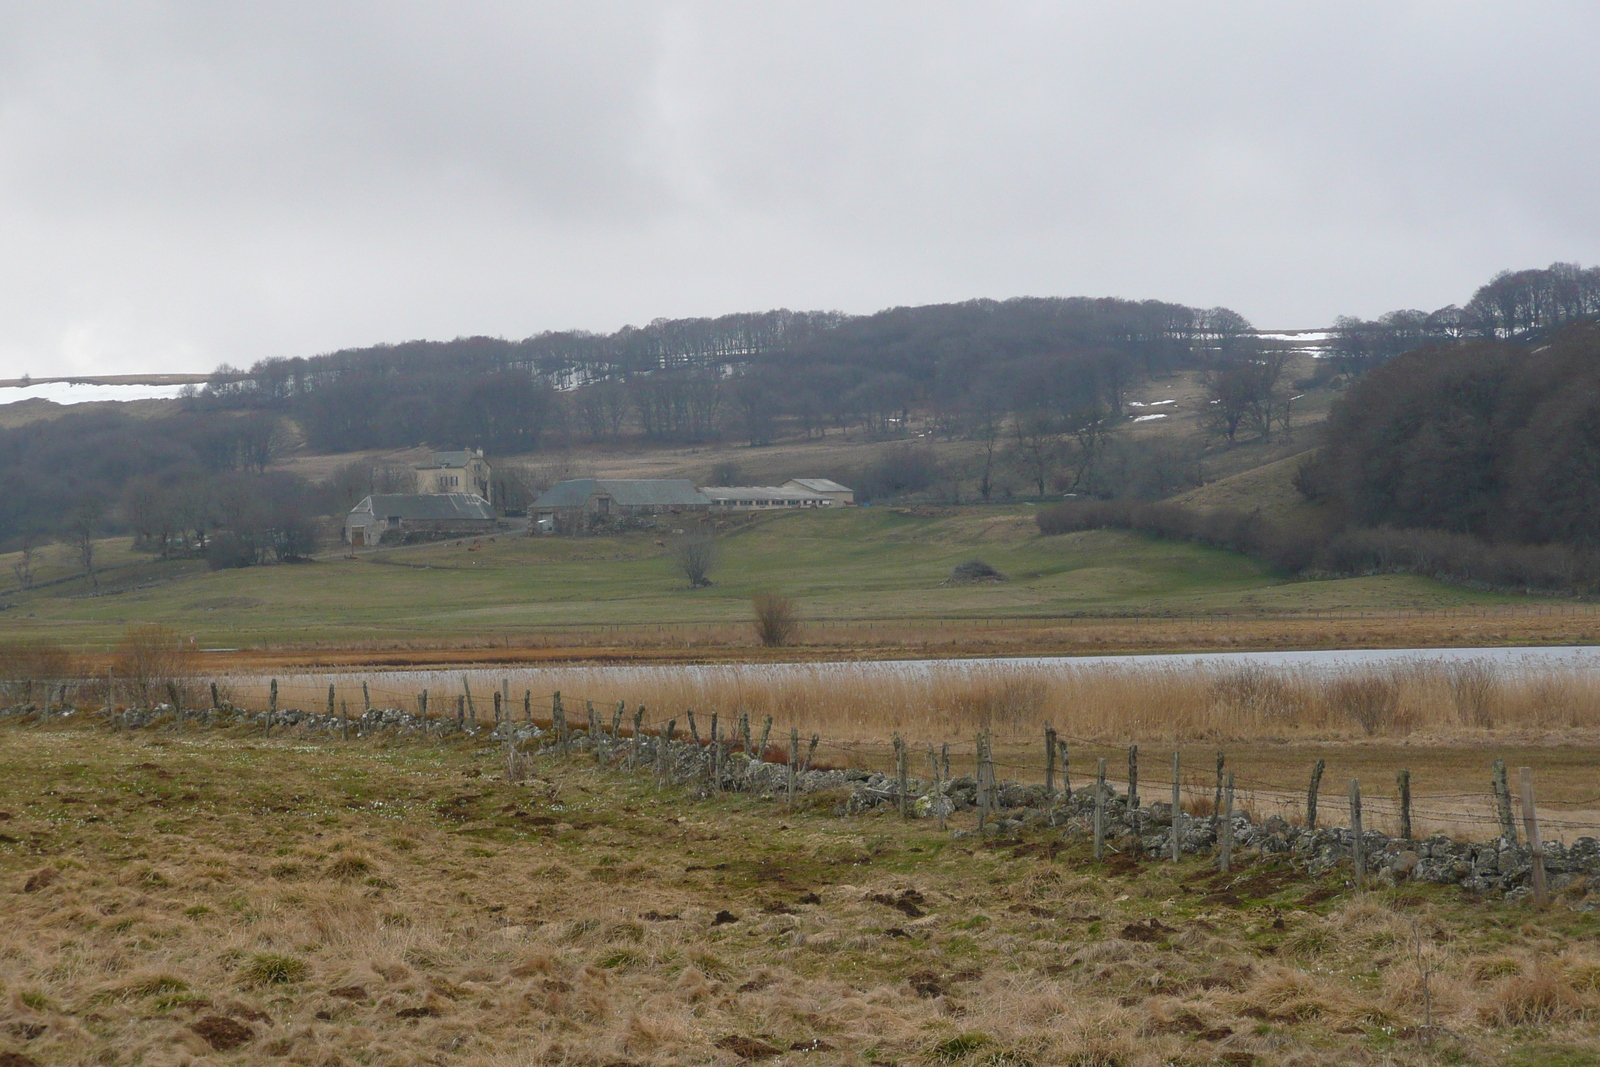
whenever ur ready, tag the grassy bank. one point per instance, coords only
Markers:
(851, 571)
(396, 904)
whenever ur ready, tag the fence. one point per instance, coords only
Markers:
(1213, 808)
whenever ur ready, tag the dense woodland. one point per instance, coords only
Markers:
(737, 377)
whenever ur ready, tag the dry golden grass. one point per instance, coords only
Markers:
(396, 904)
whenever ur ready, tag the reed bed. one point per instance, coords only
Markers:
(1101, 703)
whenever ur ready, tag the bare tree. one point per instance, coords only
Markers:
(23, 567)
(1036, 445)
(694, 556)
(987, 421)
(83, 523)
(777, 619)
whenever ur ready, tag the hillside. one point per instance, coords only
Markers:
(862, 565)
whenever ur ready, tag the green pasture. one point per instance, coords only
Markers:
(858, 564)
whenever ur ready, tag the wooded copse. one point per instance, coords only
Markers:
(746, 377)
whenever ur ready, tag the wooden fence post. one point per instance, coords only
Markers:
(1100, 812)
(330, 700)
(1311, 794)
(984, 768)
(527, 705)
(1177, 810)
(172, 694)
(744, 731)
(794, 760)
(1216, 803)
(1358, 853)
(1049, 761)
(638, 736)
(461, 712)
(272, 705)
(366, 698)
(1502, 798)
(616, 721)
(694, 732)
(505, 696)
(900, 774)
(1403, 780)
(811, 752)
(1530, 822)
(766, 732)
(1225, 829)
(1133, 796)
(344, 714)
(472, 709)
(716, 756)
(944, 759)
(215, 703)
(1066, 777)
(558, 721)
(663, 760)
(498, 708)
(937, 794)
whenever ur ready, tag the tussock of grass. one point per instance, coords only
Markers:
(272, 968)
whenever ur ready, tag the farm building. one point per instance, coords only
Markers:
(759, 497)
(460, 471)
(584, 497)
(839, 494)
(396, 516)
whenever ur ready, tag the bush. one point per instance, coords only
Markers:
(694, 555)
(777, 619)
(152, 659)
(898, 471)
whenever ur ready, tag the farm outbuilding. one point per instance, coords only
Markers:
(585, 497)
(762, 497)
(839, 494)
(396, 516)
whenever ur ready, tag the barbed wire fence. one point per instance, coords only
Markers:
(673, 748)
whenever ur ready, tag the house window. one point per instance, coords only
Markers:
(604, 505)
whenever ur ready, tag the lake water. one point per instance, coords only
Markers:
(1507, 660)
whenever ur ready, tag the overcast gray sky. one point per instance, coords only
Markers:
(183, 184)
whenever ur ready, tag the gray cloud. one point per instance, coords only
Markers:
(183, 183)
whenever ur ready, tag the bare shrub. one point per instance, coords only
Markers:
(777, 619)
(693, 555)
(150, 659)
(29, 668)
(1368, 701)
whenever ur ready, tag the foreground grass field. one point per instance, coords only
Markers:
(177, 899)
(854, 568)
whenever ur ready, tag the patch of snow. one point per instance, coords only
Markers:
(1151, 404)
(84, 393)
(1147, 418)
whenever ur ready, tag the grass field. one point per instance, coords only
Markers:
(856, 566)
(213, 898)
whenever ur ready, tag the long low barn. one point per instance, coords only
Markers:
(395, 515)
(754, 497)
(620, 496)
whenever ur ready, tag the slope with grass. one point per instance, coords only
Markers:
(880, 564)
